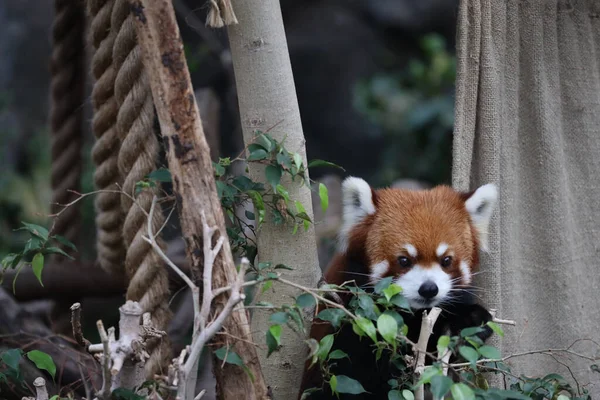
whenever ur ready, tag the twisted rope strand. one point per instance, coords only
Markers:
(109, 215)
(148, 279)
(67, 67)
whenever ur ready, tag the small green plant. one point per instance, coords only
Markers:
(10, 361)
(40, 244)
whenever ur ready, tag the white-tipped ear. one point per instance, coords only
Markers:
(357, 203)
(480, 206)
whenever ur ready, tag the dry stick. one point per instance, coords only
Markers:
(76, 324)
(104, 393)
(203, 330)
(189, 160)
(420, 349)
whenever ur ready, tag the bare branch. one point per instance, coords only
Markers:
(420, 349)
(104, 393)
(76, 324)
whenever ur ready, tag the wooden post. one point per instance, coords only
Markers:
(190, 164)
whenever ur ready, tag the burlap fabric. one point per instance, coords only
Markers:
(528, 118)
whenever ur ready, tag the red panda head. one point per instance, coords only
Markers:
(427, 240)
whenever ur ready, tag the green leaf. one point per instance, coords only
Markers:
(428, 373)
(279, 318)
(333, 383)
(469, 353)
(273, 175)
(257, 155)
(11, 260)
(283, 192)
(219, 169)
(470, 331)
(496, 328)
(562, 397)
(37, 264)
(265, 141)
(284, 161)
(337, 355)
(160, 175)
(55, 397)
(275, 331)
(42, 361)
(460, 391)
(322, 163)
(297, 160)
(388, 328)
(349, 385)
(56, 250)
(442, 344)
(267, 286)
(395, 395)
(65, 242)
(400, 301)
(408, 395)
(305, 300)
(367, 327)
(440, 386)
(324, 196)
(271, 342)
(259, 204)
(490, 352)
(263, 265)
(383, 284)
(391, 291)
(303, 215)
(325, 347)
(332, 315)
(11, 358)
(35, 230)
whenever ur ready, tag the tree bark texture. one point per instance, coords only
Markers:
(189, 160)
(267, 100)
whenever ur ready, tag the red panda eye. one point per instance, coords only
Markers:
(446, 261)
(404, 262)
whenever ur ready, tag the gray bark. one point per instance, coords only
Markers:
(267, 100)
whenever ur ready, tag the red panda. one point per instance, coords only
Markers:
(429, 242)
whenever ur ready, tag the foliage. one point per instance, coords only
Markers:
(40, 244)
(415, 109)
(269, 202)
(10, 361)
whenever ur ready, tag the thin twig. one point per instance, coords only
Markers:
(104, 393)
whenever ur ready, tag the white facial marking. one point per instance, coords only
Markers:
(378, 270)
(357, 201)
(413, 279)
(466, 272)
(441, 249)
(411, 250)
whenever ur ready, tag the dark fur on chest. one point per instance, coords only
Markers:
(462, 312)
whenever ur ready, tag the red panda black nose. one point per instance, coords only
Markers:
(428, 290)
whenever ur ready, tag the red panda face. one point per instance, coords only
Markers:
(427, 240)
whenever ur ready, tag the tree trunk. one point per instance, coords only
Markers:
(267, 99)
(190, 164)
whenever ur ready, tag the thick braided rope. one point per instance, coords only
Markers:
(147, 274)
(109, 215)
(67, 67)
